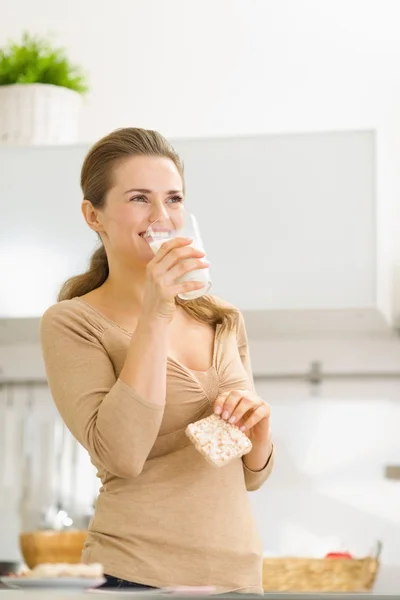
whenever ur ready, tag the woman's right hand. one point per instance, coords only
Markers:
(174, 259)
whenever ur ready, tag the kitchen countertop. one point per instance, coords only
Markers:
(330, 596)
(8, 594)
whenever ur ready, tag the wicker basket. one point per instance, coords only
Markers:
(38, 114)
(38, 547)
(319, 575)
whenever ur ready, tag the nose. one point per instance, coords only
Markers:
(158, 211)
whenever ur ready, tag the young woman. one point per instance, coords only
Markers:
(130, 365)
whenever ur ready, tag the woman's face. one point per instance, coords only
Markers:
(146, 188)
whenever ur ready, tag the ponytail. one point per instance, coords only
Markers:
(94, 277)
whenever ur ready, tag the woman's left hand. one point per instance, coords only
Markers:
(247, 411)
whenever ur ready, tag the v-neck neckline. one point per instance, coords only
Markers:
(170, 359)
(214, 354)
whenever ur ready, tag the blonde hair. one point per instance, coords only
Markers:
(96, 180)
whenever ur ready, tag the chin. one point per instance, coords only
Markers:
(144, 257)
(133, 257)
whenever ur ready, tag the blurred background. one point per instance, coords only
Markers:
(287, 116)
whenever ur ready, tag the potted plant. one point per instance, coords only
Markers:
(40, 93)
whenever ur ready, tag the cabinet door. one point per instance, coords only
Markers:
(288, 220)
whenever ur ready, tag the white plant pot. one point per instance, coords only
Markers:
(38, 114)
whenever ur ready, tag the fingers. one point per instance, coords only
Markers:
(258, 414)
(226, 403)
(240, 409)
(190, 264)
(175, 258)
(178, 256)
(171, 278)
(186, 286)
(245, 405)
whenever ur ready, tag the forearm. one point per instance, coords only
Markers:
(145, 367)
(259, 456)
(130, 417)
(255, 479)
(123, 432)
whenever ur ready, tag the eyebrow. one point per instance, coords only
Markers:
(142, 191)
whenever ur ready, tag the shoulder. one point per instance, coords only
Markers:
(238, 320)
(72, 316)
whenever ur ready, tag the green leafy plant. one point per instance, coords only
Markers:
(36, 60)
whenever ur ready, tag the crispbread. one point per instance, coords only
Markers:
(218, 441)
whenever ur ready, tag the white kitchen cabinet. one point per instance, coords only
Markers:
(297, 228)
(293, 224)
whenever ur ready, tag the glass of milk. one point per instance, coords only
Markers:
(162, 230)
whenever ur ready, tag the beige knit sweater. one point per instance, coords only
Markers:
(164, 516)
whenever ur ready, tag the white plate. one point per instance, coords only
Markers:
(66, 583)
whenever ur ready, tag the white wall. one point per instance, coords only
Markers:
(225, 66)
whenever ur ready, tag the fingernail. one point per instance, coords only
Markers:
(225, 415)
(217, 410)
(232, 419)
(243, 428)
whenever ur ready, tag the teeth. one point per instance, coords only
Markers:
(158, 235)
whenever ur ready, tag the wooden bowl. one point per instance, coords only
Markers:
(38, 547)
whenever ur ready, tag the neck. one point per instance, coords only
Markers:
(125, 289)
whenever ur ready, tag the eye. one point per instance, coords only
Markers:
(175, 199)
(138, 199)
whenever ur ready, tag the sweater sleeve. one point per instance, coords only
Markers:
(116, 426)
(254, 479)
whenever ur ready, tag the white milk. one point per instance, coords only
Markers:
(201, 275)
(156, 244)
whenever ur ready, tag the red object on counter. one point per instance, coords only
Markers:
(338, 555)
